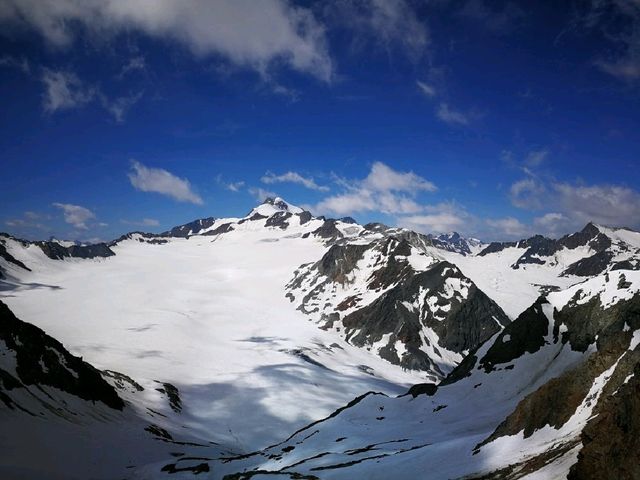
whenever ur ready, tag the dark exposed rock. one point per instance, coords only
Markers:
(42, 360)
(278, 219)
(611, 440)
(626, 265)
(465, 325)
(348, 220)
(557, 400)
(224, 228)
(55, 251)
(305, 217)
(376, 227)
(122, 381)
(276, 202)
(524, 335)
(150, 238)
(191, 228)
(588, 322)
(252, 218)
(589, 266)
(495, 247)
(328, 230)
(428, 389)
(173, 395)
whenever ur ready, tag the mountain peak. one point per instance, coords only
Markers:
(272, 205)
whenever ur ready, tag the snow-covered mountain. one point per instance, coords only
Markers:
(200, 346)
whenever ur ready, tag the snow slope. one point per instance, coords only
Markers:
(209, 315)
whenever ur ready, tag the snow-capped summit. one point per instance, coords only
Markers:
(273, 205)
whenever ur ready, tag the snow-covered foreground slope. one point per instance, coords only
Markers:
(515, 409)
(208, 315)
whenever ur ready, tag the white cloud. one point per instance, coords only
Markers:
(118, 107)
(21, 63)
(553, 224)
(75, 215)
(426, 89)
(384, 190)
(64, 91)
(135, 63)
(451, 116)
(231, 186)
(234, 186)
(293, 177)
(261, 194)
(606, 204)
(384, 178)
(508, 226)
(158, 180)
(386, 23)
(527, 193)
(443, 222)
(255, 35)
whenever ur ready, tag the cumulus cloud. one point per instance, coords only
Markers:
(255, 35)
(64, 91)
(440, 218)
(293, 177)
(158, 180)
(452, 117)
(553, 224)
(612, 205)
(384, 190)
(571, 206)
(76, 215)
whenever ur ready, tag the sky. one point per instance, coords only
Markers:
(495, 119)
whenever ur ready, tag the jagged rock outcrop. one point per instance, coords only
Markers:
(191, 228)
(56, 251)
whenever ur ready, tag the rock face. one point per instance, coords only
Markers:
(390, 297)
(454, 242)
(191, 228)
(611, 440)
(55, 251)
(555, 402)
(31, 358)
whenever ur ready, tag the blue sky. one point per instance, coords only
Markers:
(495, 119)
